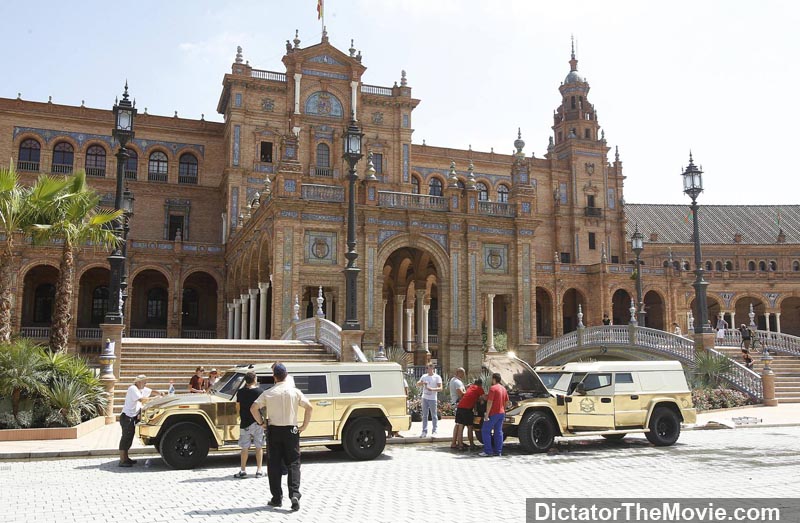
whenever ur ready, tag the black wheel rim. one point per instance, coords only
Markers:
(185, 446)
(665, 427)
(365, 439)
(540, 433)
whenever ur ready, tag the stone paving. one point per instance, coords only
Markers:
(420, 482)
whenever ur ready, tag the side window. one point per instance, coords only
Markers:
(596, 381)
(623, 383)
(624, 377)
(311, 384)
(265, 382)
(352, 383)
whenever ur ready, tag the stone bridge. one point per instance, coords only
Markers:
(631, 342)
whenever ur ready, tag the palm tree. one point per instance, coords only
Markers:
(19, 207)
(21, 370)
(74, 218)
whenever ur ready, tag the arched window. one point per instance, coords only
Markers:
(502, 194)
(157, 167)
(191, 308)
(686, 266)
(483, 192)
(435, 187)
(773, 265)
(63, 156)
(709, 266)
(718, 266)
(762, 266)
(99, 304)
(323, 160)
(29, 154)
(796, 266)
(43, 302)
(666, 263)
(95, 161)
(728, 265)
(676, 265)
(131, 165)
(751, 266)
(414, 185)
(187, 168)
(157, 306)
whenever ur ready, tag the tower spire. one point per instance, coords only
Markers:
(573, 63)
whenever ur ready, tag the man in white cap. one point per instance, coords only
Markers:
(137, 394)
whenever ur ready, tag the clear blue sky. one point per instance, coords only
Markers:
(718, 77)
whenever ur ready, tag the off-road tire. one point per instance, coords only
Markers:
(364, 439)
(665, 427)
(537, 432)
(185, 445)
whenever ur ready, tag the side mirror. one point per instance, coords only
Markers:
(580, 389)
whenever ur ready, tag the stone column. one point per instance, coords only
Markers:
(230, 321)
(777, 322)
(490, 322)
(245, 316)
(262, 311)
(420, 301)
(237, 318)
(426, 308)
(398, 319)
(409, 338)
(253, 315)
(733, 319)
(766, 317)
(354, 98)
(297, 78)
(383, 323)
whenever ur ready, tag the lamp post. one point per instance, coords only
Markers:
(637, 244)
(693, 186)
(124, 115)
(352, 154)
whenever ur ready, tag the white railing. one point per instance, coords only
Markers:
(319, 330)
(322, 193)
(268, 75)
(497, 209)
(89, 333)
(376, 89)
(322, 172)
(198, 334)
(27, 166)
(35, 332)
(148, 333)
(774, 341)
(541, 340)
(330, 335)
(433, 339)
(742, 378)
(402, 200)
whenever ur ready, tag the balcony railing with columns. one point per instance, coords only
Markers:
(198, 334)
(498, 209)
(28, 166)
(322, 193)
(61, 168)
(148, 333)
(401, 200)
(96, 172)
(88, 333)
(268, 75)
(35, 332)
(376, 89)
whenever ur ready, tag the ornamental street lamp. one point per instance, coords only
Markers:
(693, 186)
(352, 154)
(124, 115)
(637, 244)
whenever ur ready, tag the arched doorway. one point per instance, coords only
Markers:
(790, 316)
(410, 283)
(93, 302)
(544, 315)
(655, 316)
(569, 309)
(199, 306)
(149, 305)
(620, 307)
(38, 301)
(743, 312)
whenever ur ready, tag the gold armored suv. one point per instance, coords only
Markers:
(605, 398)
(355, 405)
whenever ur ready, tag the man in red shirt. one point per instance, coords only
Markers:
(464, 415)
(495, 414)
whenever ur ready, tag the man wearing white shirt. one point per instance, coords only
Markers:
(431, 385)
(137, 394)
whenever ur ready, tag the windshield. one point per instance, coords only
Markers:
(551, 379)
(228, 384)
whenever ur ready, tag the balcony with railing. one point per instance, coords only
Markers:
(36, 333)
(593, 212)
(497, 209)
(88, 333)
(130, 174)
(322, 193)
(61, 168)
(28, 166)
(401, 200)
(198, 334)
(325, 172)
(154, 176)
(96, 172)
(268, 75)
(148, 333)
(190, 179)
(376, 89)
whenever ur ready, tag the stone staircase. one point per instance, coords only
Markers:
(785, 367)
(165, 359)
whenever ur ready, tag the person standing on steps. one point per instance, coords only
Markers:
(281, 403)
(198, 383)
(250, 432)
(137, 394)
(431, 385)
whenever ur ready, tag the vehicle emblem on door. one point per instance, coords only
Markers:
(587, 405)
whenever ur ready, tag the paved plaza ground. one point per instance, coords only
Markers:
(418, 482)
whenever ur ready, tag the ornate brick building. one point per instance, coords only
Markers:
(235, 221)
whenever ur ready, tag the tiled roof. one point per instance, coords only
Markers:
(719, 224)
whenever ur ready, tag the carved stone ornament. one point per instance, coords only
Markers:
(377, 118)
(589, 168)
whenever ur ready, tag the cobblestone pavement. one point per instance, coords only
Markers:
(423, 482)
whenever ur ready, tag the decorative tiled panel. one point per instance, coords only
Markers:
(473, 291)
(143, 144)
(289, 214)
(525, 232)
(495, 258)
(371, 194)
(727, 297)
(385, 235)
(234, 207)
(261, 168)
(324, 104)
(441, 239)
(370, 287)
(237, 100)
(324, 59)
(380, 221)
(526, 207)
(286, 302)
(491, 230)
(237, 131)
(527, 333)
(289, 185)
(611, 199)
(454, 278)
(406, 121)
(322, 217)
(772, 297)
(325, 74)
(320, 247)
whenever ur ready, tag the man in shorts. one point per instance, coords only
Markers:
(250, 432)
(465, 415)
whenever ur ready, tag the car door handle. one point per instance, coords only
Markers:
(605, 400)
(635, 397)
(568, 399)
(323, 403)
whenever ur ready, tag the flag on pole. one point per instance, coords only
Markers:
(320, 9)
